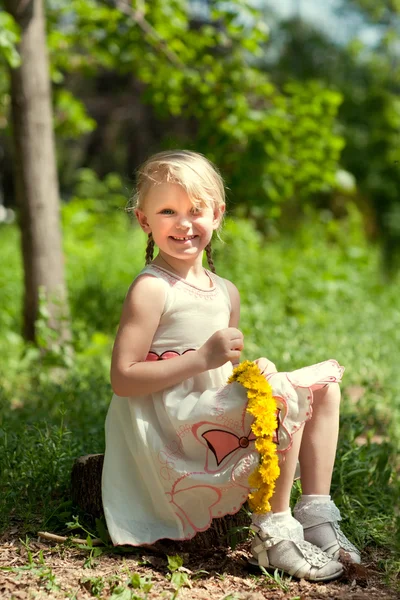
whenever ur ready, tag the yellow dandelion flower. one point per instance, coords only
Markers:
(262, 406)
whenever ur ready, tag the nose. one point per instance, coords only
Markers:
(183, 222)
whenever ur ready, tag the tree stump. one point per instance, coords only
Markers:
(86, 494)
(86, 484)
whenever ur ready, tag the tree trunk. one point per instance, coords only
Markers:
(35, 171)
(86, 494)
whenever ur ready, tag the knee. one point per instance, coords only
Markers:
(329, 395)
(334, 389)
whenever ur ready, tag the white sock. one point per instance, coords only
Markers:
(261, 519)
(280, 524)
(316, 509)
(306, 499)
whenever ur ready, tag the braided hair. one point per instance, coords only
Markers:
(149, 249)
(210, 261)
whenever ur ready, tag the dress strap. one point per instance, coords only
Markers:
(150, 270)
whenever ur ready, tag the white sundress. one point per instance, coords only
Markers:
(178, 458)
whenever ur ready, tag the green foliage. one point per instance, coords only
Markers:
(208, 73)
(95, 585)
(9, 57)
(94, 551)
(289, 121)
(71, 119)
(290, 148)
(121, 591)
(45, 576)
(91, 225)
(362, 480)
(9, 37)
(277, 580)
(177, 575)
(368, 78)
(377, 11)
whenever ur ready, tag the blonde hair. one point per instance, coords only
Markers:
(193, 172)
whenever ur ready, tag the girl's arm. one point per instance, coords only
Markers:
(130, 374)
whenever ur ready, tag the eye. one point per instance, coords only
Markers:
(166, 211)
(196, 210)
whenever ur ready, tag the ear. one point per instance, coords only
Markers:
(218, 214)
(142, 220)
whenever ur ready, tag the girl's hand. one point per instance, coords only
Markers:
(266, 366)
(222, 346)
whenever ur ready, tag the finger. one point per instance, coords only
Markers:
(234, 355)
(261, 362)
(237, 348)
(266, 366)
(234, 330)
(237, 336)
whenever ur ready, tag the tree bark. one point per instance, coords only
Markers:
(35, 171)
(86, 494)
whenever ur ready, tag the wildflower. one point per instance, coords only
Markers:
(262, 405)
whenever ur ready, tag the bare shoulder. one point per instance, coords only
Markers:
(232, 290)
(141, 314)
(147, 293)
(235, 303)
(146, 284)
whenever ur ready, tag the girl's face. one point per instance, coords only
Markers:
(179, 229)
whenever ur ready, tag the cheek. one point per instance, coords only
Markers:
(157, 225)
(205, 225)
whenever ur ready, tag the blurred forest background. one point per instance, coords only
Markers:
(298, 104)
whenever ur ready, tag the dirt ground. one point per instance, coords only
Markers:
(45, 570)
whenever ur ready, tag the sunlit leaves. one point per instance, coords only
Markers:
(71, 119)
(209, 73)
(9, 36)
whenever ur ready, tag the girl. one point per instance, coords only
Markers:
(179, 446)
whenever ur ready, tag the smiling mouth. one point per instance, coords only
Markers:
(183, 239)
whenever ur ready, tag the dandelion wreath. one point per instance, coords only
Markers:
(262, 405)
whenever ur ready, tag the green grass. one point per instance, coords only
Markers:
(306, 297)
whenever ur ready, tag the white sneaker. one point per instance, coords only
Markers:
(320, 521)
(293, 555)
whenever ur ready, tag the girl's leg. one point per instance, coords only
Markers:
(279, 540)
(315, 446)
(280, 501)
(319, 442)
(315, 510)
